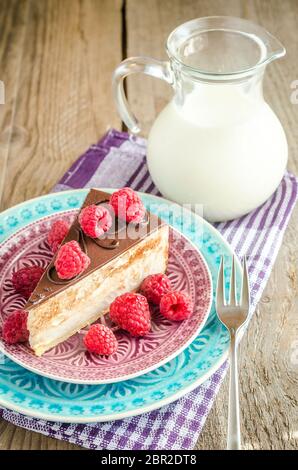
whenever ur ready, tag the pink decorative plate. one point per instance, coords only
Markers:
(69, 361)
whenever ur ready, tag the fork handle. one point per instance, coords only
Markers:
(234, 441)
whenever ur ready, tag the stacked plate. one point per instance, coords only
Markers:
(71, 385)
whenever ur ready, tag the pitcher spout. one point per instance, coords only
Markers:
(275, 50)
(272, 48)
(222, 48)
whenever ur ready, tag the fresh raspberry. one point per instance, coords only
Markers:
(131, 312)
(95, 220)
(127, 205)
(57, 234)
(26, 279)
(101, 340)
(155, 286)
(176, 306)
(71, 260)
(14, 328)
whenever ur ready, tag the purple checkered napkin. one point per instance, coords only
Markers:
(120, 160)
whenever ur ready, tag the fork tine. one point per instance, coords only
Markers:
(220, 291)
(245, 286)
(233, 297)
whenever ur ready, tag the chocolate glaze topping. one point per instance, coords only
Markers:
(100, 250)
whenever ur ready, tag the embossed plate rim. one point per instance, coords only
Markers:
(131, 375)
(171, 397)
(120, 415)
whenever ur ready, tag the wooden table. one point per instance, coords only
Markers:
(56, 61)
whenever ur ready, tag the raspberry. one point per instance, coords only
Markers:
(131, 312)
(71, 260)
(14, 328)
(95, 220)
(127, 205)
(56, 235)
(26, 279)
(100, 340)
(176, 306)
(155, 286)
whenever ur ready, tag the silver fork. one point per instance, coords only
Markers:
(233, 315)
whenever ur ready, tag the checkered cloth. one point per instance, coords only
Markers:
(120, 160)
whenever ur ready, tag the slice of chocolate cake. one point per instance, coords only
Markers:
(120, 260)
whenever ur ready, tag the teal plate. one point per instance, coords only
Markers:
(41, 397)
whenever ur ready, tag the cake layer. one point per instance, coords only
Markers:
(83, 302)
(100, 251)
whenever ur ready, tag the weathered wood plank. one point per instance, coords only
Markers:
(13, 15)
(64, 99)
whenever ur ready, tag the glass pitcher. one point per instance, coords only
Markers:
(217, 143)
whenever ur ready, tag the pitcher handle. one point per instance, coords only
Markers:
(155, 68)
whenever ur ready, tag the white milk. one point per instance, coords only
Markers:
(222, 148)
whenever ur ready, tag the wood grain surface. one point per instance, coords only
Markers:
(56, 60)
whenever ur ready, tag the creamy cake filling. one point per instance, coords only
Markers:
(57, 310)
